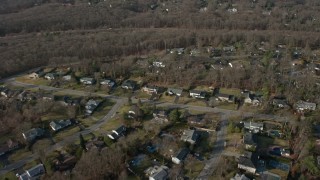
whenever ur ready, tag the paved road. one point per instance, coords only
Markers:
(218, 147)
(225, 111)
(119, 103)
(211, 164)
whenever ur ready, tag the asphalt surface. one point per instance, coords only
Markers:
(68, 140)
(210, 164)
(218, 148)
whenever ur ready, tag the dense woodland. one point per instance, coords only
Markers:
(109, 38)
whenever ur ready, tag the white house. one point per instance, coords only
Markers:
(198, 94)
(180, 156)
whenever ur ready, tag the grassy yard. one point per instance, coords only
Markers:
(234, 142)
(229, 106)
(26, 79)
(194, 169)
(9, 175)
(168, 98)
(88, 121)
(19, 154)
(53, 116)
(266, 142)
(118, 91)
(110, 125)
(41, 145)
(103, 109)
(142, 95)
(231, 91)
(65, 133)
(192, 101)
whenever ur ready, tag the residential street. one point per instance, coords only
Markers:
(119, 103)
(211, 164)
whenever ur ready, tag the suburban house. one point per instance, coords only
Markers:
(250, 98)
(228, 48)
(190, 136)
(177, 50)
(180, 156)
(158, 64)
(249, 142)
(135, 112)
(305, 106)
(225, 97)
(129, 84)
(157, 172)
(173, 91)
(36, 74)
(117, 133)
(279, 103)
(25, 96)
(66, 78)
(87, 80)
(160, 116)
(150, 89)
(91, 105)
(247, 163)
(108, 82)
(197, 94)
(58, 125)
(253, 126)
(240, 177)
(32, 134)
(8, 147)
(33, 173)
(50, 76)
(5, 92)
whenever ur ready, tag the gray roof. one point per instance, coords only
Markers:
(190, 136)
(182, 154)
(158, 172)
(249, 125)
(306, 105)
(57, 125)
(35, 171)
(247, 160)
(248, 139)
(33, 133)
(175, 91)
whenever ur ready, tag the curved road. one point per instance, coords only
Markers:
(211, 164)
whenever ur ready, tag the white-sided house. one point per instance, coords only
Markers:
(58, 125)
(177, 159)
(305, 106)
(129, 84)
(225, 97)
(190, 136)
(117, 133)
(174, 91)
(108, 82)
(246, 163)
(91, 105)
(32, 134)
(249, 142)
(87, 81)
(253, 126)
(150, 89)
(66, 78)
(198, 94)
(36, 74)
(158, 64)
(157, 172)
(250, 98)
(50, 76)
(33, 173)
